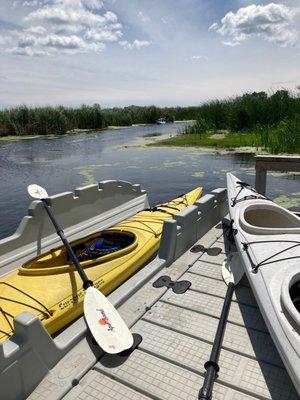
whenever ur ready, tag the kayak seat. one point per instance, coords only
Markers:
(268, 218)
(106, 243)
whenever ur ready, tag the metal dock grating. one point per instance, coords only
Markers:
(178, 331)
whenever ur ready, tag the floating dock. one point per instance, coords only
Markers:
(173, 332)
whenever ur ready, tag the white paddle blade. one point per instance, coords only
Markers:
(105, 323)
(37, 192)
(232, 269)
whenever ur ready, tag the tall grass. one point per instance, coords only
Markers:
(284, 137)
(23, 120)
(274, 120)
(270, 121)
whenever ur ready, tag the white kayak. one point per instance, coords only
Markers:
(268, 240)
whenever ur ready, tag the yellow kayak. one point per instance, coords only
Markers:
(49, 286)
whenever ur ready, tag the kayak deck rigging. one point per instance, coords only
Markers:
(244, 185)
(267, 261)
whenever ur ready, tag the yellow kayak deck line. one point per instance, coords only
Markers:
(49, 287)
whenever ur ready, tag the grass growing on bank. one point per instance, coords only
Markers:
(256, 120)
(24, 121)
(230, 140)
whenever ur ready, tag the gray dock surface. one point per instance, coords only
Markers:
(178, 332)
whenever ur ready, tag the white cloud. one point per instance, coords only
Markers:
(33, 45)
(272, 22)
(65, 14)
(136, 44)
(64, 42)
(230, 44)
(27, 40)
(39, 30)
(66, 26)
(103, 35)
(67, 29)
(214, 26)
(29, 3)
(110, 16)
(8, 39)
(199, 57)
(27, 51)
(143, 17)
(93, 4)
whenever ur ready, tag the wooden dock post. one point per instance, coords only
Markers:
(273, 163)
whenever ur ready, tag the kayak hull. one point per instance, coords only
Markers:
(50, 288)
(267, 238)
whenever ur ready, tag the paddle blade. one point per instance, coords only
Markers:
(37, 192)
(105, 323)
(232, 269)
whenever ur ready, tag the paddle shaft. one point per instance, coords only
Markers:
(211, 366)
(86, 282)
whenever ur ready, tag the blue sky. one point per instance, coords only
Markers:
(163, 52)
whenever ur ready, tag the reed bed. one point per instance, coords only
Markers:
(257, 119)
(24, 120)
(254, 119)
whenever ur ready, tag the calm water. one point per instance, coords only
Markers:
(64, 163)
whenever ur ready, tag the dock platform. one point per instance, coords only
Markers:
(177, 330)
(177, 334)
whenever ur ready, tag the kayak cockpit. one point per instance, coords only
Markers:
(295, 294)
(268, 218)
(97, 248)
(290, 295)
(106, 243)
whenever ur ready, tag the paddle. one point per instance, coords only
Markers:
(232, 273)
(103, 320)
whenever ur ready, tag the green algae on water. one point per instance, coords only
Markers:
(199, 174)
(288, 202)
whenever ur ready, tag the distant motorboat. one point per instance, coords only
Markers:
(161, 121)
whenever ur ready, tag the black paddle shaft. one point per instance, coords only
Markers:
(211, 366)
(86, 282)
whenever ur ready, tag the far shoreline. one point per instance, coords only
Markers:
(77, 130)
(164, 140)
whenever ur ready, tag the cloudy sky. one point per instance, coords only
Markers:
(163, 52)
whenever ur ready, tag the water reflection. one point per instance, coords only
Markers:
(66, 162)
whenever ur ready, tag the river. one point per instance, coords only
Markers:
(66, 162)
